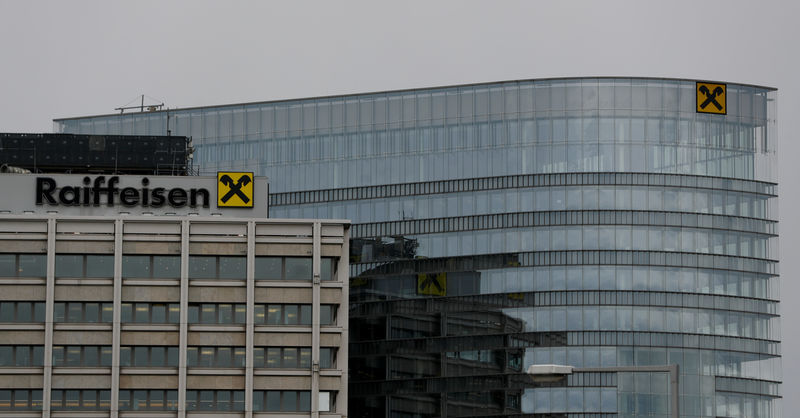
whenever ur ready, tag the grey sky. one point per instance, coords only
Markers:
(63, 59)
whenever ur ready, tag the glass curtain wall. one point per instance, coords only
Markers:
(586, 222)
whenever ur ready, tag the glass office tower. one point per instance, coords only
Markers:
(596, 223)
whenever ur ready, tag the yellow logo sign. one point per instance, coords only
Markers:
(711, 98)
(432, 284)
(234, 189)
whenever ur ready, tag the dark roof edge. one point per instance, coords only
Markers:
(421, 88)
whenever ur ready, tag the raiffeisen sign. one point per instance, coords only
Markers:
(230, 194)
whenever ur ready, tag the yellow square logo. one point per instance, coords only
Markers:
(434, 284)
(234, 189)
(711, 98)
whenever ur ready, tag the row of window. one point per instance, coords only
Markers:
(162, 313)
(562, 218)
(265, 314)
(21, 355)
(165, 356)
(148, 400)
(164, 267)
(82, 356)
(564, 258)
(508, 300)
(292, 357)
(520, 181)
(80, 400)
(622, 198)
(566, 238)
(163, 400)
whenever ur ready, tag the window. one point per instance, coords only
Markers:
(151, 266)
(148, 400)
(215, 356)
(80, 400)
(84, 265)
(215, 400)
(218, 313)
(23, 265)
(148, 356)
(292, 314)
(327, 357)
(327, 315)
(20, 400)
(81, 356)
(150, 313)
(293, 268)
(282, 357)
(86, 312)
(21, 355)
(286, 401)
(217, 267)
(22, 311)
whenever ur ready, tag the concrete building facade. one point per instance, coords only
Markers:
(130, 315)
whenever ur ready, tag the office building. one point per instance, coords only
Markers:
(167, 298)
(607, 224)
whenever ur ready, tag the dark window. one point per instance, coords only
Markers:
(215, 400)
(23, 265)
(87, 312)
(81, 356)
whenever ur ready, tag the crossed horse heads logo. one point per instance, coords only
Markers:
(235, 187)
(711, 96)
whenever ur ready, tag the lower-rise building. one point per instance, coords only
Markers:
(225, 315)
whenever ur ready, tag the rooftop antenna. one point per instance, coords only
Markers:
(150, 108)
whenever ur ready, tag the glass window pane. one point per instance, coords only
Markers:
(273, 357)
(305, 401)
(289, 401)
(175, 313)
(32, 265)
(305, 314)
(274, 315)
(142, 313)
(136, 266)
(225, 313)
(268, 268)
(99, 266)
(92, 312)
(68, 265)
(24, 312)
(74, 312)
(305, 358)
(158, 314)
(327, 269)
(202, 267)
(298, 268)
(8, 267)
(166, 266)
(273, 401)
(158, 356)
(125, 356)
(172, 356)
(208, 314)
(140, 356)
(107, 315)
(232, 267)
(126, 314)
(290, 315)
(91, 356)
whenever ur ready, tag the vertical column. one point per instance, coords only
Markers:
(48, 320)
(315, 307)
(117, 315)
(251, 266)
(343, 319)
(184, 326)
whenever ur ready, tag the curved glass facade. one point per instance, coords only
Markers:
(597, 223)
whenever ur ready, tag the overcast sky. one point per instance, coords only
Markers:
(62, 59)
